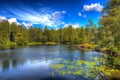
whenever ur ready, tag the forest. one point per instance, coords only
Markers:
(105, 36)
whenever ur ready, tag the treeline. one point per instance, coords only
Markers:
(69, 35)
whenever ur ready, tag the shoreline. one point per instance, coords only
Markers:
(94, 48)
(84, 47)
(12, 46)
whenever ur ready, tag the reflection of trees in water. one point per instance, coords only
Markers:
(14, 63)
(82, 55)
(7, 64)
(71, 55)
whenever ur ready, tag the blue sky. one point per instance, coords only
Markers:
(52, 13)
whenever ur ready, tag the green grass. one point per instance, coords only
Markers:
(40, 43)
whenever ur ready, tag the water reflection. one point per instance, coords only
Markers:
(5, 65)
(14, 63)
(33, 63)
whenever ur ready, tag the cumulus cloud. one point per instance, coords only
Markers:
(13, 20)
(96, 6)
(2, 18)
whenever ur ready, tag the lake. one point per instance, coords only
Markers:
(34, 63)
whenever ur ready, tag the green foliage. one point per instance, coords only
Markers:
(20, 39)
(109, 29)
(4, 33)
(35, 34)
(46, 34)
(113, 62)
(82, 36)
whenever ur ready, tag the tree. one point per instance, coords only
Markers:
(82, 36)
(12, 31)
(35, 34)
(60, 31)
(4, 33)
(91, 31)
(71, 34)
(45, 34)
(109, 25)
(21, 37)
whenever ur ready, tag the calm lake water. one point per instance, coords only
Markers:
(33, 63)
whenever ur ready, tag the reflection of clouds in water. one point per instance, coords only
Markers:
(37, 63)
(8, 65)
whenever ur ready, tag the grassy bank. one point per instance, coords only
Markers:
(109, 51)
(86, 46)
(15, 45)
(41, 43)
(112, 51)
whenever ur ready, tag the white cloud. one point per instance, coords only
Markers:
(2, 18)
(76, 25)
(56, 15)
(12, 20)
(49, 19)
(91, 7)
(45, 16)
(27, 25)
